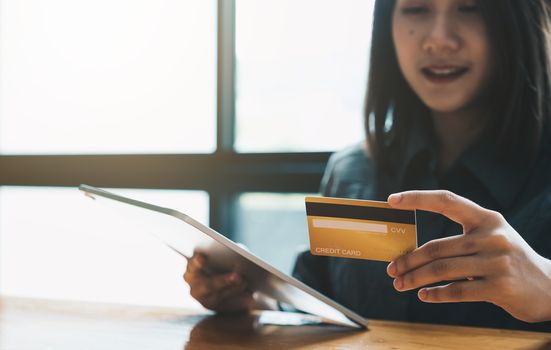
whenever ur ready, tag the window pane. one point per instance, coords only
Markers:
(301, 73)
(107, 76)
(55, 243)
(273, 226)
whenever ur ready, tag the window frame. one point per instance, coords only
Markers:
(223, 174)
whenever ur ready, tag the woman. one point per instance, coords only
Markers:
(458, 113)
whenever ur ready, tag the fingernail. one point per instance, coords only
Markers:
(391, 269)
(395, 198)
(198, 263)
(233, 278)
(399, 283)
(422, 294)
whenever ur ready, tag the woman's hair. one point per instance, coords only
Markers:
(519, 96)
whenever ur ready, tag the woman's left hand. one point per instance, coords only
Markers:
(489, 262)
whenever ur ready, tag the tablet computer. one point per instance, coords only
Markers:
(186, 235)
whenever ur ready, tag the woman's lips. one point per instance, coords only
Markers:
(443, 74)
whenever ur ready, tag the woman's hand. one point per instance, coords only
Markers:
(489, 262)
(218, 292)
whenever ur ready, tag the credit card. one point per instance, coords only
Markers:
(359, 229)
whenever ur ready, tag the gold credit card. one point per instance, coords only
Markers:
(359, 229)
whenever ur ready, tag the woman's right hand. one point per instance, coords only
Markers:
(226, 292)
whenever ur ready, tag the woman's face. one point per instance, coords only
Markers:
(443, 51)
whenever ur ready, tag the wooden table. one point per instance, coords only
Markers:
(31, 324)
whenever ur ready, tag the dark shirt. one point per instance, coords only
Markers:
(517, 188)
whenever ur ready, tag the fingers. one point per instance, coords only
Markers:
(441, 270)
(219, 292)
(205, 287)
(231, 291)
(456, 208)
(230, 298)
(463, 291)
(196, 264)
(460, 245)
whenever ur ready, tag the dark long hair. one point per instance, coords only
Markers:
(520, 95)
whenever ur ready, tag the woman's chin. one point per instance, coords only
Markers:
(445, 107)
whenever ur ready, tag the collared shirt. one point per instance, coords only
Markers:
(518, 189)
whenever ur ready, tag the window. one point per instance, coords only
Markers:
(111, 76)
(301, 74)
(272, 226)
(175, 101)
(57, 244)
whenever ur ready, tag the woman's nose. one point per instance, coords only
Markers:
(441, 36)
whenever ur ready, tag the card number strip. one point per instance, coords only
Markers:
(360, 212)
(348, 225)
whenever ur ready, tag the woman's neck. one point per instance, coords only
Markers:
(455, 132)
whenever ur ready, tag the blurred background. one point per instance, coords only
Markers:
(226, 110)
